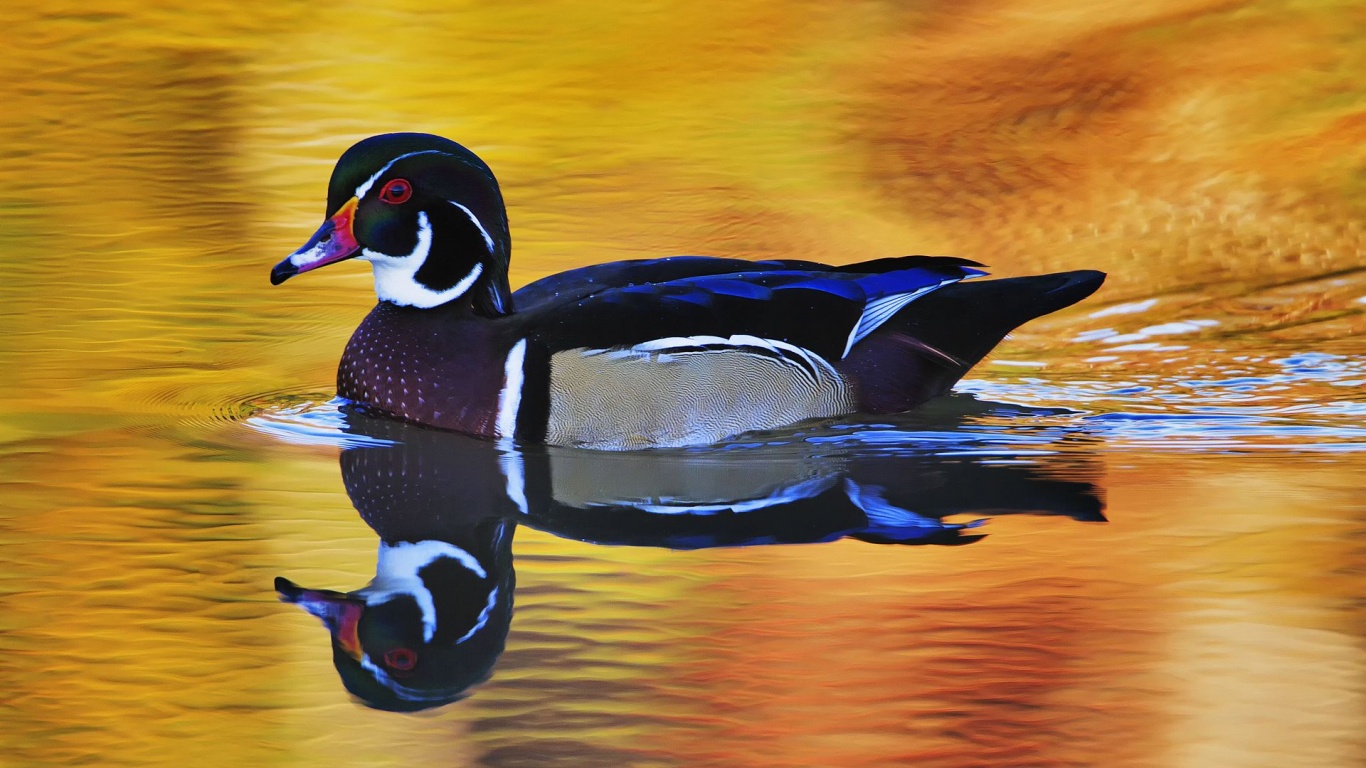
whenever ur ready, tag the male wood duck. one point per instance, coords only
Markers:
(632, 354)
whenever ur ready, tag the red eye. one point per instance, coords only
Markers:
(400, 658)
(396, 191)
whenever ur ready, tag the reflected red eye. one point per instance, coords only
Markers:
(400, 658)
(396, 191)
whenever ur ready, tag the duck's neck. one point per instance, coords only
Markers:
(441, 367)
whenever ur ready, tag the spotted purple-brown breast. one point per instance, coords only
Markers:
(424, 366)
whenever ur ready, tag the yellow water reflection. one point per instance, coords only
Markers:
(160, 156)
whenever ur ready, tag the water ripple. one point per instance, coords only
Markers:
(310, 423)
(1305, 402)
(1308, 401)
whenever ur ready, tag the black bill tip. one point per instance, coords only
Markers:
(289, 591)
(282, 272)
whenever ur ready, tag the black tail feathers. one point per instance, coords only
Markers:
(923, 351)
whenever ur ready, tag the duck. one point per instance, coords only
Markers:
(644, 353)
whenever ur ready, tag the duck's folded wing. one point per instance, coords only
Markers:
(813, 308)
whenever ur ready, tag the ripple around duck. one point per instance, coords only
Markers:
(938, 432)
(305, 421)
(1310, 402)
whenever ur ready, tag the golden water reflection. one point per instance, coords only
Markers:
(160, 156)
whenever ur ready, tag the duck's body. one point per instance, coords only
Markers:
(634, 354)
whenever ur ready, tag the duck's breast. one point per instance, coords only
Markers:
(413, 365)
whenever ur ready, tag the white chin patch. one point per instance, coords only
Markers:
(395, 276)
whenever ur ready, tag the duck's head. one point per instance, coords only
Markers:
(428, 216)
(431, 624)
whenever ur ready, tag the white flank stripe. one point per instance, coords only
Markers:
(664, 350)
(487, 240)
(673, 342)
(510, 398)
(674, 506)
(752, 341)
(370, 182)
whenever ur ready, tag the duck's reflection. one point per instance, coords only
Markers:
(435, 618)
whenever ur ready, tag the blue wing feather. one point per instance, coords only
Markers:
(731, 286)
(845, 289)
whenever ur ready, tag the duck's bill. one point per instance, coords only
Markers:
(340, 613)
(333, 242)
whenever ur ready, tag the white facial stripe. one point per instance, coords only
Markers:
(395, 276)
(370, 182)
(510, 397)
(483, 616)
(487, 240)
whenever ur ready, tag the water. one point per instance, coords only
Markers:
(1171, 568)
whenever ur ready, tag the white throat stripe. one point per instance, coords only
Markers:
(396, 276)
(397, 573)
